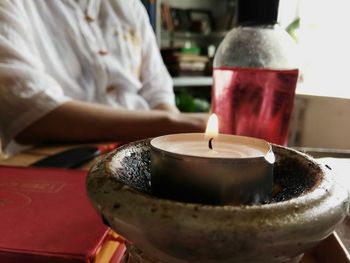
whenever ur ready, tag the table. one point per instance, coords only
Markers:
(333, 249)
(31, 156)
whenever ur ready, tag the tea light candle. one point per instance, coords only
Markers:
(211, 168)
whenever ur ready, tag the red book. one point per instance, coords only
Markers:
(45, 216)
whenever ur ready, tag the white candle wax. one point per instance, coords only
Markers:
(224, 146)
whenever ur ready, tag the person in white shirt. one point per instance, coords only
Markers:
(83, 70)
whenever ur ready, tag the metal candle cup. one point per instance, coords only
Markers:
(238, 170)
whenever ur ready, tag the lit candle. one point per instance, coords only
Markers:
(223, 146)
(211, 167)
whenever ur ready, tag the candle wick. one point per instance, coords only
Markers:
(210, 143)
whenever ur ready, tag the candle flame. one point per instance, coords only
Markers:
(212, 130)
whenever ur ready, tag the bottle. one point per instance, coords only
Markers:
(255, 72)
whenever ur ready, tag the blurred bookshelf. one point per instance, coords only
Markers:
(188, 33)
(200, 22)
(207, 37)
(190, 81)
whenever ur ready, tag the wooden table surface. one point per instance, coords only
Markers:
(331, 250)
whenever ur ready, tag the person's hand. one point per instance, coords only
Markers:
(167, 107)
(190, 122)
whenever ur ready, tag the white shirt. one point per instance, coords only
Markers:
(51, 51)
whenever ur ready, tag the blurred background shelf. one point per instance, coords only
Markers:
(210, 36)
(188, 34)
(193, 22)
(195, 81)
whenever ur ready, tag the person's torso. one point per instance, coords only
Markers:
(91, 48)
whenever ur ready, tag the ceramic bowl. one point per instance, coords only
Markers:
(306, 206)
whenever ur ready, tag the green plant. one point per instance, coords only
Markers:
(187, 103)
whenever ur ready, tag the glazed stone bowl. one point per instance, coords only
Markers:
(304, 209)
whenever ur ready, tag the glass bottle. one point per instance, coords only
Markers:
(255, 72)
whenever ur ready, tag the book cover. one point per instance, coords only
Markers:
(45, 216)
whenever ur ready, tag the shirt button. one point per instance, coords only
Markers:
(102, 52)
(89, 18)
